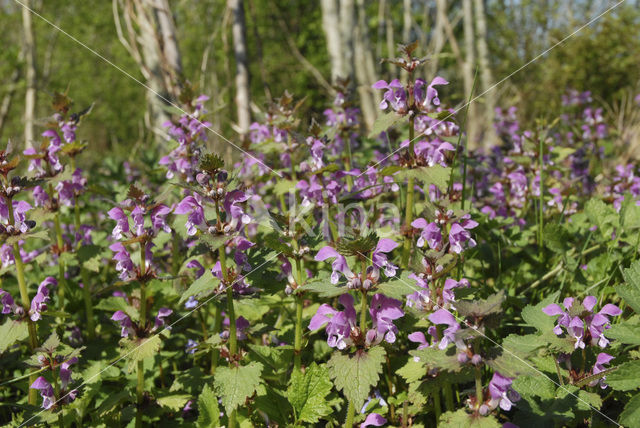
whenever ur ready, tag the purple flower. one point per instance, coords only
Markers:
(195, 264)
(124, 264)
(430, 234)
(394, 96)
(125, 323)
(373, 419)
(192, 206)
(122, 222)
(65, 372)
(39, 302)
(242, 324)
(339, 265)
(425, 99)
(192, 346)
(159, 218)
(501, 392)
(585, 321)
(7, 302)
(384, 310)
(459, 235)
(601, 360)
(160, 318)
(339, 323)
(46, 392)
(236, 217)
(442, 316)
(379, 257)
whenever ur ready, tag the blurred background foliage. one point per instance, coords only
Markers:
(603, 58)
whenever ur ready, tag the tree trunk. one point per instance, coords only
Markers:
(170, 50)
(406, 29)
(468, 71)
(331, 27)
(30, 75)
(238, 29)
(437, 38)
(347, 26)
(5, 106)
(364, 68)
(486, 76)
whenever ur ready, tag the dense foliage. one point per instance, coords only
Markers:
(328, 277)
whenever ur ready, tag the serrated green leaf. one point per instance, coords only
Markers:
(202, 286)
(355, 374)
(535, 386)
(208, 412)
(481, 307)
(307, 393)
(630, 291)
(12, 332)
(234, 384)
(324, 288)
(138, 349)
(556, 238)
(384, 122)
(533, 315)
(397, 288)
(173, 402)
(626, 377)
(443, 359)
(630, 416)
(462, 419)
(283, 187)
(436, 175)
(624, 332)
(412, 371)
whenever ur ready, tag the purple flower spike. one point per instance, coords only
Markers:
(46, 392)
(501, 392)
(122, 222)
(384, 310)
(379, 257)
(160, 318)
(39, 302)
(7, 302)
(374, 420)
(442, 316)
(65, 372)
(339, 265)
(339, 323)
(459, 235)
(125, 323)
(190, 205)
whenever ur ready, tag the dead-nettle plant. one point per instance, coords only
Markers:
(326, 277)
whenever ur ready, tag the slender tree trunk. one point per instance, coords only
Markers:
(382, 7)
(486, 76)
(331, 27)
(238, 29)
(5, 106)
(468, 71)
(170, 50)
(363, 68)
(407, 6)
(438, 37)
(391, 45)
(30, 75)
(347, 26)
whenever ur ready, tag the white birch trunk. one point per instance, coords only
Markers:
(243, 101)
(30, 75)
(331, 27)
(468, 71)
(486, 76)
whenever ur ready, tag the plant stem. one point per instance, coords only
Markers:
(217, 322)
(408, 214)
(541, 202)
(448, 397)
(143, 323)
(363, 302)
(437, 405)
(351, 412)
(88, 306)
(26, 302)
(297, 347)
(479, 393)
(560, 378)
(60, 244)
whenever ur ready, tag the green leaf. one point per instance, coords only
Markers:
(436, 174)
(443, 359)
(208, 412)
(89, 257)
(626, 377)
(307, 393)
(397, 288)
(630, 291)
(323, 287)
(283, 187)
(385, 122)
(556, 238)
(624, 332)
(355, 374)
(533, 315)
(601, 214)
(480, 308)
(173, 402)
(203, 286)
(630, 416)
(12, 332)
(139, 349)
(235, 384)
(462, 419)
(412, 371)
(535, 386)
